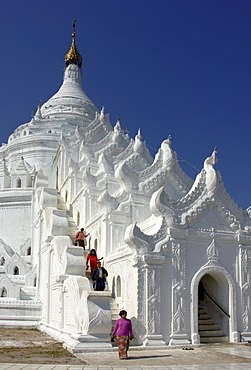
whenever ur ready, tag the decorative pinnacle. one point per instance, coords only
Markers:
(73, 56)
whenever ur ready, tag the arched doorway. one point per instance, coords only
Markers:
(16, 271)
(213, 309)
(18, 182)
(219, 288)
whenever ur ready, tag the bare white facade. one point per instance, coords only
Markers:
(161, 233)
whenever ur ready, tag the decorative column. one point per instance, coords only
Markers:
(179, 327)
(152, 265)
(44, 279)
(245, 267)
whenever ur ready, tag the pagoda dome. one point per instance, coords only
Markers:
(70, 100)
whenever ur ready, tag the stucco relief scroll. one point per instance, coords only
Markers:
(179, 287)
(151, 268)
(245, 257)
(153, 301)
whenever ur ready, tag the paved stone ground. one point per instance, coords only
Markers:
(216, 354)
(31, 349)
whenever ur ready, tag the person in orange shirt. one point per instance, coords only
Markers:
(92, 259)
(80, 238)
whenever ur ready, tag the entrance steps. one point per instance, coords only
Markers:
(209, 331)
(72, 228)
(61, 205)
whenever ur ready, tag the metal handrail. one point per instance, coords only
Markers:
(222, 309)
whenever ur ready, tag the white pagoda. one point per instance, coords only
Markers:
(178, 251)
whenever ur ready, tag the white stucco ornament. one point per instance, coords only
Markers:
(162, 235)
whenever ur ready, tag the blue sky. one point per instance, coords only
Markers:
(179, 68)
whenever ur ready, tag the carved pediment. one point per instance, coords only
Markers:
(95, 133)
(206, 205)
(73, 166)
(211, 219)
(107, 201)
(8, 289)
(161, 204)
(88, 178)
(85, 153)
(17, 266)
(105, 166)
(136, 238)
(127, 176)
(165, 171)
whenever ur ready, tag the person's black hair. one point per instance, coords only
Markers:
(93, 250)
(82, 228)
(122, 312)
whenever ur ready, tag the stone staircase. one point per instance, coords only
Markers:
(209, 331)
(61, 205)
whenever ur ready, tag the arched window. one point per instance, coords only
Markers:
(3, 292)
(35, 281)
(118, 286)
(2, 262)
(16, 271)
(29, 251)
(66, 196)
(19, 182)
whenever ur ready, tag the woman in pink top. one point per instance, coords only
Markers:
(80, 238)
(123, 332)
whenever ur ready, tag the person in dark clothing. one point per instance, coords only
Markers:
(99, 277)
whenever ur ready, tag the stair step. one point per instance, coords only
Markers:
(205, 321)
(201, 311)
(212, 333)
(208, 327)
(61, 205)
(204, 316)
(222, 339)
(209, 331)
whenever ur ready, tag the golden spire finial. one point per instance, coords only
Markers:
(73, 56)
